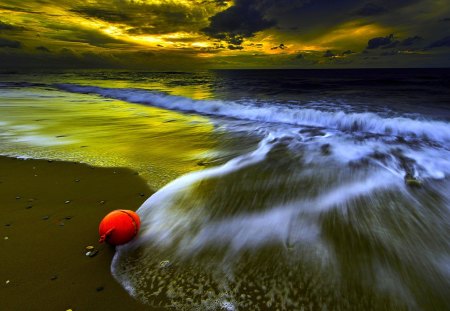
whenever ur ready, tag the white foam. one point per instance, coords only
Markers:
(271, 112)
(155, 212)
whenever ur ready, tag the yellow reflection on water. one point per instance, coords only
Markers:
(160, 144)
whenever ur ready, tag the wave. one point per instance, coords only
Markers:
(368, 122)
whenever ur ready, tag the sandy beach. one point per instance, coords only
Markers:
(49, 213)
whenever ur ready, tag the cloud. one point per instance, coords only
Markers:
(389, 53)
(323, 31)
(371, 9)
(281, 47)
(237, 22)
(411, 41)
(389, 42)
(6, 26)
(329, 54)
(377, 42)
(444, 42)
(90, 36)
(235, 47)
(161, 17)
(6, 43)
(108, 15)
(42, 49)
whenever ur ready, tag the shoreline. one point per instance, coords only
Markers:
(49, 213)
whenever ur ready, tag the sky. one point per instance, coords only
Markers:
(215, 34)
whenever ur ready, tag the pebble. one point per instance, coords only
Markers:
(7, 281)
(99, 289)
(7, 225)
(142, 194)
(165, 264)
(102, 202)
(62, 224)
(77, 180)
(29, 206)
(6, 238)
(68, 217)
(45, 218)
(54, 277)
(18, 198)
(92, 253)
(89, 248)
(67, 202)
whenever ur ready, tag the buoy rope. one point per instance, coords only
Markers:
(103, 237)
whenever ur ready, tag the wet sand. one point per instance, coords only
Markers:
(49, 213)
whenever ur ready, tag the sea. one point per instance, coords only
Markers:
(274, 189)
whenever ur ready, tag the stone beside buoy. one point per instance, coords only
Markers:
(119, 227)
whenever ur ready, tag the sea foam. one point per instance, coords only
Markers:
(437, 131)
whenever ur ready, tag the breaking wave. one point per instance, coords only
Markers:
(368, 122)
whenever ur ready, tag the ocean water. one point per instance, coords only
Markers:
(275, 190)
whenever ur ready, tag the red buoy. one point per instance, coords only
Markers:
(119, 227)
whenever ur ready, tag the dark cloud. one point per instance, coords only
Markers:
(6, 26)
(235, 47)
(218, 46)
(237, 22)
(217, 2)
(42, 49)
(377, 42)
(389, 53)
(17, 9)
(103, 14)
(6, 43)
(281, 47)
(149, 18)
(391, 45)
(88, 36)
(25, 8)
(317, 23)
(141, 30)
(329, 54)
(371, 9)
(411, 41)
(444, 42)
(388, 42)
